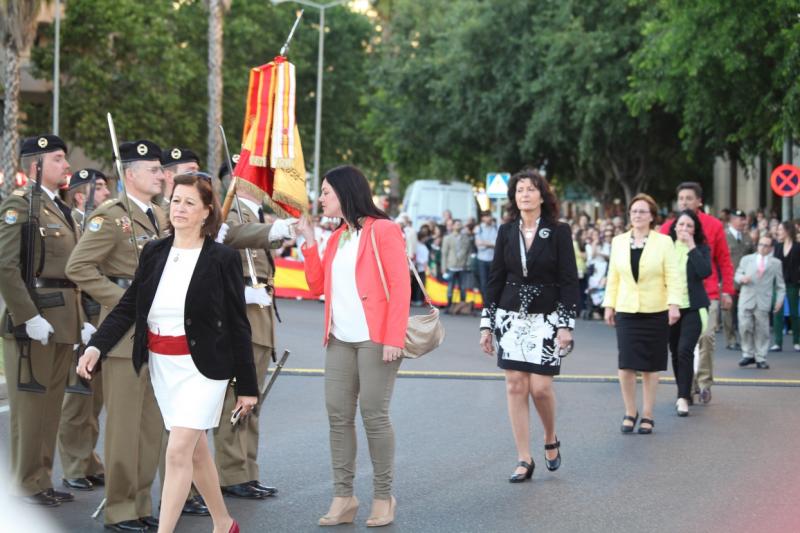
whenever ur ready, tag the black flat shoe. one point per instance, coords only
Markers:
(150, 521)
(78, 483)
(244, 490)
(646, 431)
(552, 465)
(41, 498)
(519, 478)
(270, 491)
(629, 429)
(195, 507)
(60, 497)
(128, 525)
(99, 480)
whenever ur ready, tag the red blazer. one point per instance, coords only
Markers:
(386, 321)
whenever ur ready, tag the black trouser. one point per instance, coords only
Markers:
(683, 336)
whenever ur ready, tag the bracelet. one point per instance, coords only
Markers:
(485, 333)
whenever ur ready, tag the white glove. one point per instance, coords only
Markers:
(223, 231)
(39, 329)
(257, 296)
(282, 228)
(86, 332)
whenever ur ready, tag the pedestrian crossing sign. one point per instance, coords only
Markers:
(497, 184)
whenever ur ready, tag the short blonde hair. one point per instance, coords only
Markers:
(651, 204)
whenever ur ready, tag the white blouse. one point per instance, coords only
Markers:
(348, 320)
(167, 311)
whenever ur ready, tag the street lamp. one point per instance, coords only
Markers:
(320, 55)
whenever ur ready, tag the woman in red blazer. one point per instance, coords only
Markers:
(364, 334)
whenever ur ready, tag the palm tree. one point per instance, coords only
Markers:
(17, 32)
(216, 14)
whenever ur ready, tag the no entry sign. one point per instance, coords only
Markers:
(785, 180)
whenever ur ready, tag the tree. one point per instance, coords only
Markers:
(216, 13)
(728, 69)
(17, 31)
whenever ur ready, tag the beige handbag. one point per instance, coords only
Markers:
(424, 332)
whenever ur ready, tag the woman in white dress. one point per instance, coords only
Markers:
(191, 328)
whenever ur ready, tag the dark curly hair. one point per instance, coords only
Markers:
(549, 202)
(699, 236)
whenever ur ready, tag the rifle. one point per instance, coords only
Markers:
(29, 232)
(268, 385)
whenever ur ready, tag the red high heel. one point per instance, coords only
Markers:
(234, 528)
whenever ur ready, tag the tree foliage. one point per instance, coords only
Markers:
(146, 63)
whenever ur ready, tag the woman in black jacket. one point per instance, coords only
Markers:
(531, 302)
(694, 260)
(187, 304)
(787, 249)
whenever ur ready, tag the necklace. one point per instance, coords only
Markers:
(529, 232)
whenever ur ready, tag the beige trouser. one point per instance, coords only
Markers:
(34, 417)
(704, 377)
(728, 326)
(236, 448)
(133, 440)
(79, 430)
(353, 370)
(755, 331)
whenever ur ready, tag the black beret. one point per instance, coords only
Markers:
(738, 213)
(174, 156)
(141, 150)
(84, 176)
(226, 166)
(42, 144)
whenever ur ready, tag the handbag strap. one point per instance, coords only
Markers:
(383, 277)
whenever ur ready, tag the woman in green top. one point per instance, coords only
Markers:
(694, 259)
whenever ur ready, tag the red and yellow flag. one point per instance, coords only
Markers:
(271, 162)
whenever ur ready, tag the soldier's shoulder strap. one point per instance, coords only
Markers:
(108, 206)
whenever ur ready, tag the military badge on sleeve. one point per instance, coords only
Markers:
(125, 222)
(11, 216)
(95, 224)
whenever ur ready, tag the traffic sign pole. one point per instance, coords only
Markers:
(786, 204)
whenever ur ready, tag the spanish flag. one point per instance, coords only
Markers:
(271, 162)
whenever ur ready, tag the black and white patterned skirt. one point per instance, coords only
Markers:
(527, 342)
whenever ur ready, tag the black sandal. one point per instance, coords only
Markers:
(646, 431)
(629, 429)
(519, 478)
(552, 465)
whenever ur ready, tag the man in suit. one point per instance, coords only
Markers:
(49, 316)
(80, 426)
(759, 275)
(103, 265)
(456, 248)
(739, 245)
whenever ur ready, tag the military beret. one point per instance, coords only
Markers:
(141, 150)
(174, 156)
(226, 166)
(42, 144)
(84, 176)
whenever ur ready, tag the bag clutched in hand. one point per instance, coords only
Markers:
(424, 332)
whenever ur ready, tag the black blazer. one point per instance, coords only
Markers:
(791, 263)
(216, 323)
(551, 268)
(698, 268)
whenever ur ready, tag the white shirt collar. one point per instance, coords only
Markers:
(50, 194)
(733, 231)
(143, 206)
(250, 204)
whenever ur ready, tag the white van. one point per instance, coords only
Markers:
(428, 199)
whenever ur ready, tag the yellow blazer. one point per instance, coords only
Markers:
(660, 283)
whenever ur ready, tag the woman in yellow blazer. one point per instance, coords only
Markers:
(643, 295)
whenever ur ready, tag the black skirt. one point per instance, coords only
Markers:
(642, 341)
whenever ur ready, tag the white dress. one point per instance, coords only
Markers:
(185, 396)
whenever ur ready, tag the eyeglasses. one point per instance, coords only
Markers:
(765, 245)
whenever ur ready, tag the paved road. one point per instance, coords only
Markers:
(731, 466)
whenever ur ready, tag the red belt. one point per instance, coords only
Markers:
(165, 345)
